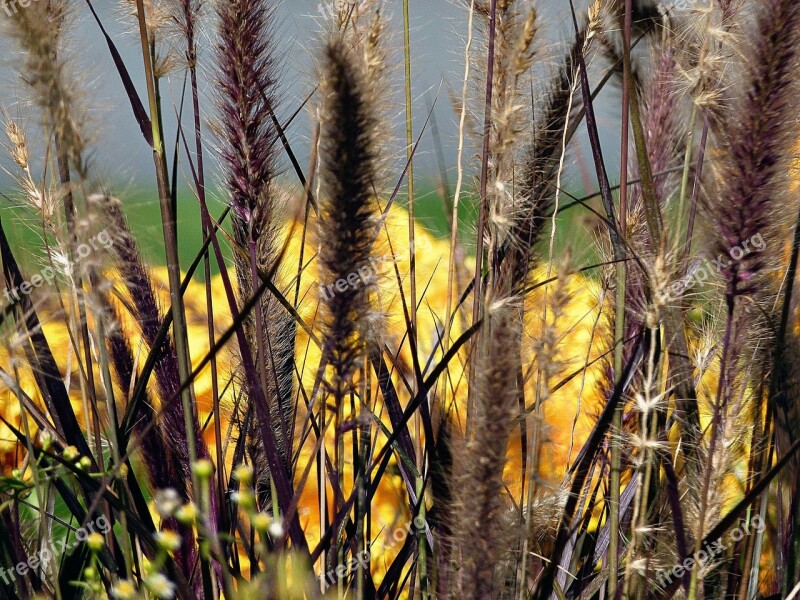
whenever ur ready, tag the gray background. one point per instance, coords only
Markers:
(120, 155)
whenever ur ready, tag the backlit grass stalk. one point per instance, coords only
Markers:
(755, 149)
(168, 208)
(645, 447)
(166, 445)
(39, 30)
(539, 186)
(478, 299)
(681, 376)
(483, 524)
(351, 170)
(511, 36)
(248, 90)
(661, 103)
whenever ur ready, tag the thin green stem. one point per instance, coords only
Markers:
(619, 319)
(168, 221)
(687, 167)
(421, 543)
(113, 428)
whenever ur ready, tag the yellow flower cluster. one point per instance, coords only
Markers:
(568, 312)
(567, 414)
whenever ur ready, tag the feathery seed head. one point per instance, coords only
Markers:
(246, 94)
(351, 172)
(157, 16)
(756, 146)
(19, 147)
(38, 29)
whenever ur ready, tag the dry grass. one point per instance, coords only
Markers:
(354, 408)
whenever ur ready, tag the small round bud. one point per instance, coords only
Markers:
(167, 502)
(261, 522)
(243, 474)
(95, 542)
(70, 453)
(168, 540)
(187, 514)
(203, 469)
(160, 586)
(245, 499)
(124, 590)
(276, 529)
